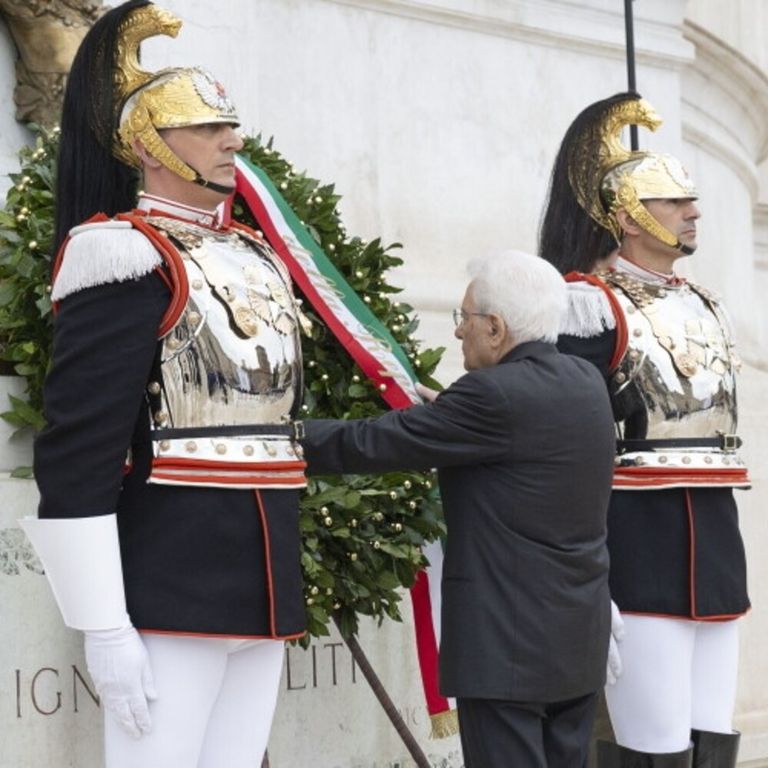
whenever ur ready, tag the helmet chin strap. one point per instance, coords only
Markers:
(221, 188)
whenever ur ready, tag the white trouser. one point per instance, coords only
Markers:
(677, 675)
(215, 702)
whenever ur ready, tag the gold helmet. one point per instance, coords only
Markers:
(171, 98)
(621, 178)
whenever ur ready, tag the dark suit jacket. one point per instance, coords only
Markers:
(525, 454)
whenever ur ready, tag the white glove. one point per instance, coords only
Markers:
(617, 633)
(118, 663)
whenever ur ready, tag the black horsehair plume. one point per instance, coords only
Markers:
(89, 179)
(569, 238)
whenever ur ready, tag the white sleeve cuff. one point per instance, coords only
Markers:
(81, 557)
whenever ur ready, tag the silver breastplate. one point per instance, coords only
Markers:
(234, 356)
(677, 377)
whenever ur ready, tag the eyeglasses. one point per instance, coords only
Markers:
(460, 316)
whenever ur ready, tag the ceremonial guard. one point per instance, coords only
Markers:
(168, 471)
(615, 224)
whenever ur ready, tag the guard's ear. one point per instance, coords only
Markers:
(144, 156)
(627, 223)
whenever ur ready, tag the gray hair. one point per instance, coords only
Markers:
(527, 292)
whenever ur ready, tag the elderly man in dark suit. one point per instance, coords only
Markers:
(524, 443)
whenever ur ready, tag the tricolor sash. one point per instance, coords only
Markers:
(376, 353)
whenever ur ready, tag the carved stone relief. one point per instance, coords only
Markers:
(47, 34)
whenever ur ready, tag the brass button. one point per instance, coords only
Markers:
(686, 364)
(631, 309)
(164, 445)
(299, 451)
(248, 450)
(197, 284)
(637, 332)
(290, 451)
(707, 459)
(153, 387)
(172, 343)
(191, 446)
(221, 448)
(686, 459)
(726, 460)
(194, 318)
(160, 417)
(620, 378)
(247, 320)
(663, 459)
(639, 461)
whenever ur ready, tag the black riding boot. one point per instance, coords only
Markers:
(610, 755)
(715, 750)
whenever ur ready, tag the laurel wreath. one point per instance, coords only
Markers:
(361, 535)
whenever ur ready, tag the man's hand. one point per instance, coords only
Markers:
(617, 633)
(426, 394)
(119, 666)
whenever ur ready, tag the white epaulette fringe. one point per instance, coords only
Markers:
(101, 253)
(589, 311)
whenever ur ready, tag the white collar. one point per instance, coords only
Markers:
(179, 210)
(646, 275)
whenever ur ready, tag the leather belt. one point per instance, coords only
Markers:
(724, 442)
(293, 429)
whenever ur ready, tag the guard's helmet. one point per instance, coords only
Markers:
(595, 176)
(111, 101)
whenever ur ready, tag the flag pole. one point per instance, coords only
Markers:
(629, 28)
(419, 758)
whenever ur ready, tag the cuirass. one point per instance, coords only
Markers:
(234, 356)
(232, 359)
(677, 376)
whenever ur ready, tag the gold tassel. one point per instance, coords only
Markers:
(444, 724)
